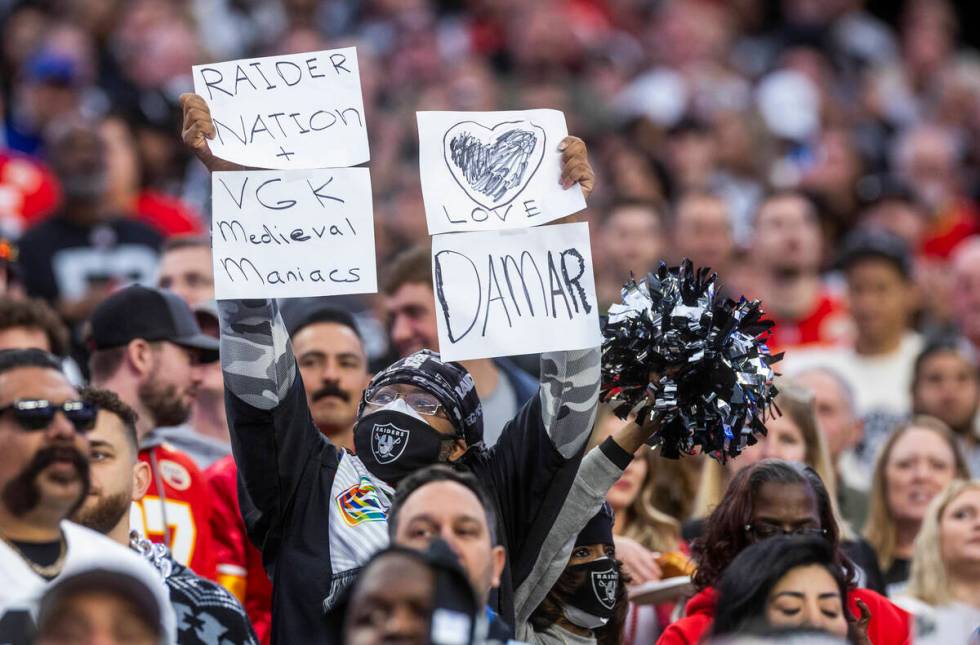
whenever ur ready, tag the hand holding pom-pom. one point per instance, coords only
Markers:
(676, 353)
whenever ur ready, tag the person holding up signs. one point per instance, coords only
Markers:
(319, 512)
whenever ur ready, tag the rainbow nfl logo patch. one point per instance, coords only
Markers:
(360, 503)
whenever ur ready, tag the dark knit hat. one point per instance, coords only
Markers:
(448, 382)
(598, 530)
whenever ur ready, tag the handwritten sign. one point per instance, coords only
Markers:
(285, 112)
(514, 292)
(292, 233)
(493, 170)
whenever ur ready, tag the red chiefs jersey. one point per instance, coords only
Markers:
(828, 323)
(182, 509)
(239, 562)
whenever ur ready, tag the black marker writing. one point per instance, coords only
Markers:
(281, 73)
(252, 128)
(243, 269)
(274, 194)
(507, 283)
(234, 231)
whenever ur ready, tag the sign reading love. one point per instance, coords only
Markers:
(493, 170)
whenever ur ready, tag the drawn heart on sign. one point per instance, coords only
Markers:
(493, 165)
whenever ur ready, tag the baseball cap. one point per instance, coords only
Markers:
(120, 583)
(883, 245)
(150, 314)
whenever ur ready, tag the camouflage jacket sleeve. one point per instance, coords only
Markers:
(569, 397)
(256, 358)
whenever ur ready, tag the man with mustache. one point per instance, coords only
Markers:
(44, 477)
(331, 358)
(148, 349)
(330, 354)
(208, 613)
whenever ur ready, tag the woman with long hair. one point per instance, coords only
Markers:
(784, 582)
(588, 603)
(793, 436)
(918, 460)
(944, 585)
(771, 498)
(653, 496)
(644, 528)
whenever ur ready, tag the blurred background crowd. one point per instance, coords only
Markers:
(822, 155)
(694, 112)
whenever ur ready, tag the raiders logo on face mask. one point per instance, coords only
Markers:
(605, 584)
(388, 442)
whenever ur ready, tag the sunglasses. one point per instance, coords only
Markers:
(37, 414)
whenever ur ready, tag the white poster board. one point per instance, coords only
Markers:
(493, 170)
(292, 233)
(500, 293)
(287, 112)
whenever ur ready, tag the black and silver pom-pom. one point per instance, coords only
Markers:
(676, 351)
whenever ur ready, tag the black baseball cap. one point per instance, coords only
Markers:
(883, 245)
(150, 314)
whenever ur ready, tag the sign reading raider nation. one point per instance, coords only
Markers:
(292, 233)
(500, 293)
(286, 112)
(493, 170)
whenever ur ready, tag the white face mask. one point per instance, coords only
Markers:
(583, 619)
(399, 405)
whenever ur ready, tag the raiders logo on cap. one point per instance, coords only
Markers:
(605, 584)
(388, 442)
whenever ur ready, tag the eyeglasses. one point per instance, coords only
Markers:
(37, 414)
(764, 531)
(421, 402)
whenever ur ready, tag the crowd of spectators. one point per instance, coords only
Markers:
(822, 156)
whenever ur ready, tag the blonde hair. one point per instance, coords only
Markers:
(880, 529)
(797, 403)
(929, 579)
(643, 520)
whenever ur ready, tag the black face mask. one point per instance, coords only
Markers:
(393, 445)
(592, 604)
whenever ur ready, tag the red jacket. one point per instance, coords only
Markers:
(182, 510)
(240, 567)
(889, 625)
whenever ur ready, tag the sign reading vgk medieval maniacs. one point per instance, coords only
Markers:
(292, 233)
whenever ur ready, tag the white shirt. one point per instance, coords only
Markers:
(942, 625)
(21, 588)
(881, 384)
